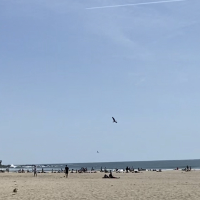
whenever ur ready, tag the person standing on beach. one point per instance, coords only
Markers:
(66, 171)
(35, 171)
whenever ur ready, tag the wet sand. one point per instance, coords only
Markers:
(138, 186)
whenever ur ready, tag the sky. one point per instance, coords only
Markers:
(65, 71)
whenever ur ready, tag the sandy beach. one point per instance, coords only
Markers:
(139, 186)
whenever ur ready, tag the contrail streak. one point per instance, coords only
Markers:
(136, 4)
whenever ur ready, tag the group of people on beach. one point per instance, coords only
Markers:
(187, 169)
(109, 176)
(35, 171)
(67, 172)
(85, 170)
(127, 170)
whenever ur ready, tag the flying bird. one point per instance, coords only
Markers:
(114, 121)
(97, 152)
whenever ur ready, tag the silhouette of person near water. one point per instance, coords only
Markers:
(66, 171)
(35, 171)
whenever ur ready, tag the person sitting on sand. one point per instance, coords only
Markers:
(110, 175)
(106, 176)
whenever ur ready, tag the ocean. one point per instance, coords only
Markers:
(160, 164)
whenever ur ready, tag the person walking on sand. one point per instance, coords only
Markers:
(66, 171)
(35, 171)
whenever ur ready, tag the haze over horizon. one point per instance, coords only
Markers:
(65, 71)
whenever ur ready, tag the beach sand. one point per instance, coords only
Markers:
(138, 186)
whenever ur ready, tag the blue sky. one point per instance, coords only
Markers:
(65, 71)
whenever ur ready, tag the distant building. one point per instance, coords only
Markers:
(0, 162)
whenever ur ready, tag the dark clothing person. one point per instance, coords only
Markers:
(35, 171)
(106, 176)
(127, 169)
(110, 175)
(66, 171)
